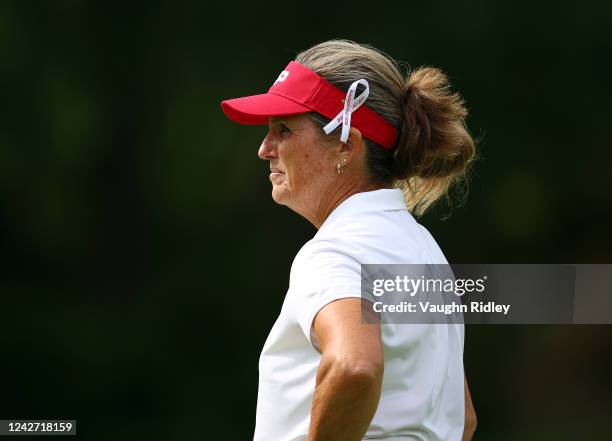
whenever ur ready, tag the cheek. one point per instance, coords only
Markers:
(312, 175)
(305, 168)
(305, 164)
(317, 161)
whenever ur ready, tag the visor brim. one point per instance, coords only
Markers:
(256, 109)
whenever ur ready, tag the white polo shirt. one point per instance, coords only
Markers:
(422, 394)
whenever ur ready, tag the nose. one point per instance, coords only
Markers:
(267, 150)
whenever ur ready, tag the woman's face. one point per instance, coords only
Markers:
(301, 167)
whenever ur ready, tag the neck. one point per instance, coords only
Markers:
(338, 192)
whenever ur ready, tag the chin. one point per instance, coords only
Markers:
(280, 195)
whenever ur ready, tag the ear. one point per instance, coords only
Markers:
(354, 146)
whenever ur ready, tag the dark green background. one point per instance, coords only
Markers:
(143, 261)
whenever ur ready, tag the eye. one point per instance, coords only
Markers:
(282, 128)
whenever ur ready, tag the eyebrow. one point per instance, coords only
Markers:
(276, 120)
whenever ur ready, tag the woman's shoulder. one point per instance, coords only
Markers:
(393, 238)
(322, 248)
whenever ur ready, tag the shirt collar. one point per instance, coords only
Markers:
(385, 199)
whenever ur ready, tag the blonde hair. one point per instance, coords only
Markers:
(433, 149)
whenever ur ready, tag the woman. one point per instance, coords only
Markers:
(353, 147)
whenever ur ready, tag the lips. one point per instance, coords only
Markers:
(276, 170)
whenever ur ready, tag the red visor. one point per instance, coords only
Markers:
(300, 90)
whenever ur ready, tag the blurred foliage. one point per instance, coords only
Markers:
(143, 261)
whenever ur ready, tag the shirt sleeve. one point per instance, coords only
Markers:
(322, 273)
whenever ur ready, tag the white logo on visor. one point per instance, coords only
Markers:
(282, 77)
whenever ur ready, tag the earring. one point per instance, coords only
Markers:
(339, 168)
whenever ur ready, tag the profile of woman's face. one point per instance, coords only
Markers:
(301, 167)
